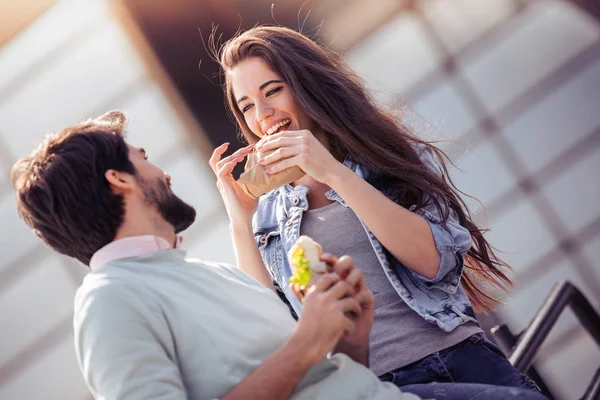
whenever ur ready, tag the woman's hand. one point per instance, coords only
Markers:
(324, 318)
(240, 205)
(302, 149)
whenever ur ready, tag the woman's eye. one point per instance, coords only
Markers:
(246, 108)
(273, 91)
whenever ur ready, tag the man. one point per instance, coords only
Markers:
(152, 324)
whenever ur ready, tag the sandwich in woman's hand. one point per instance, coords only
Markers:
(305, 262)
(256, 181)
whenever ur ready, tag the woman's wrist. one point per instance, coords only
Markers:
(240, 227)
(338, 176)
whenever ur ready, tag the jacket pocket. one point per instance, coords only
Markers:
(271, 251)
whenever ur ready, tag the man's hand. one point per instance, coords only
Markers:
(354, 342)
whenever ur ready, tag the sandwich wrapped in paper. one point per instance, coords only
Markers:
(305, 261)
(255, 181)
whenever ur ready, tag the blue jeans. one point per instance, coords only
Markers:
(473, 369)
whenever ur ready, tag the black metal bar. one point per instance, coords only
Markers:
(506, 340)
(562, 295)
(586, 314)
(593, 390)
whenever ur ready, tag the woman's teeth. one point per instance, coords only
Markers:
(278, 125)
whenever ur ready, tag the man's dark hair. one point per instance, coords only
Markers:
(61, 189)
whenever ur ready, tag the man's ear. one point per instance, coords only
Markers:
(119, 181)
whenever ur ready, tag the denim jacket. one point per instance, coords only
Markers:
(441, 300)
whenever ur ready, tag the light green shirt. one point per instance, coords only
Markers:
(161, 326)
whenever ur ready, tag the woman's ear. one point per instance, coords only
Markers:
(119, 181)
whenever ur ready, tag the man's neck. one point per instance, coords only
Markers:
(141, 222)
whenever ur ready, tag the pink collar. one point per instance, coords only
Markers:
(135, 246)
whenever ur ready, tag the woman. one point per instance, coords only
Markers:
(384, 193)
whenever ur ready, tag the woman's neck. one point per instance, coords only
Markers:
(316, 195)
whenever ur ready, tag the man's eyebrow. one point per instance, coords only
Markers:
(261, 87)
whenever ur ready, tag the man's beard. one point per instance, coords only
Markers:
(173, 210)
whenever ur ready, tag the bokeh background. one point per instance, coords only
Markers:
(514, 84)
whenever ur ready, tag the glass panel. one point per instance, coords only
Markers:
(216, 246)
(448, 115)
(16, 239)
(460, 22)
(520, 234)
(575, 194)
(559, 121)
(482, 174)
(70, 89)
(193, 181)
(569, 371)
(395, 57)
(525, 300)
(542, 39)
(592, 252)
(52, 375)
(33, 305)
(152, 123)
(53, 29)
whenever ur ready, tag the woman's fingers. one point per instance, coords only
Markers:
(279, 154)
(216, 162)
(224, 169)
(216, 156)
(278, 166)
(282, 139)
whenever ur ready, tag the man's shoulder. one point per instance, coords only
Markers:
(226, 271)
(213, 266)
(104, 287)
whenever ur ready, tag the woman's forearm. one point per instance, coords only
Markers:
(247, 255)
(406, 235)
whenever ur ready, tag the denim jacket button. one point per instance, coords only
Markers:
(295, 201)
(263, 239)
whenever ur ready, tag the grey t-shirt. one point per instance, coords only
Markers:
(399, 336)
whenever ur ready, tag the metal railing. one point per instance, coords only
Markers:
(523, 347)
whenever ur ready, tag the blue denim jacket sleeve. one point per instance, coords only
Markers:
(452, 240)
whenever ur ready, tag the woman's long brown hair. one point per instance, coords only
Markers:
(335, 98)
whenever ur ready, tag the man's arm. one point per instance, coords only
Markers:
(278, 376)
(121, 345)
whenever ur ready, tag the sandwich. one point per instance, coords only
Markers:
(305, 261)
(255, 181)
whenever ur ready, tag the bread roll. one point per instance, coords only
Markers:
(305, 261)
